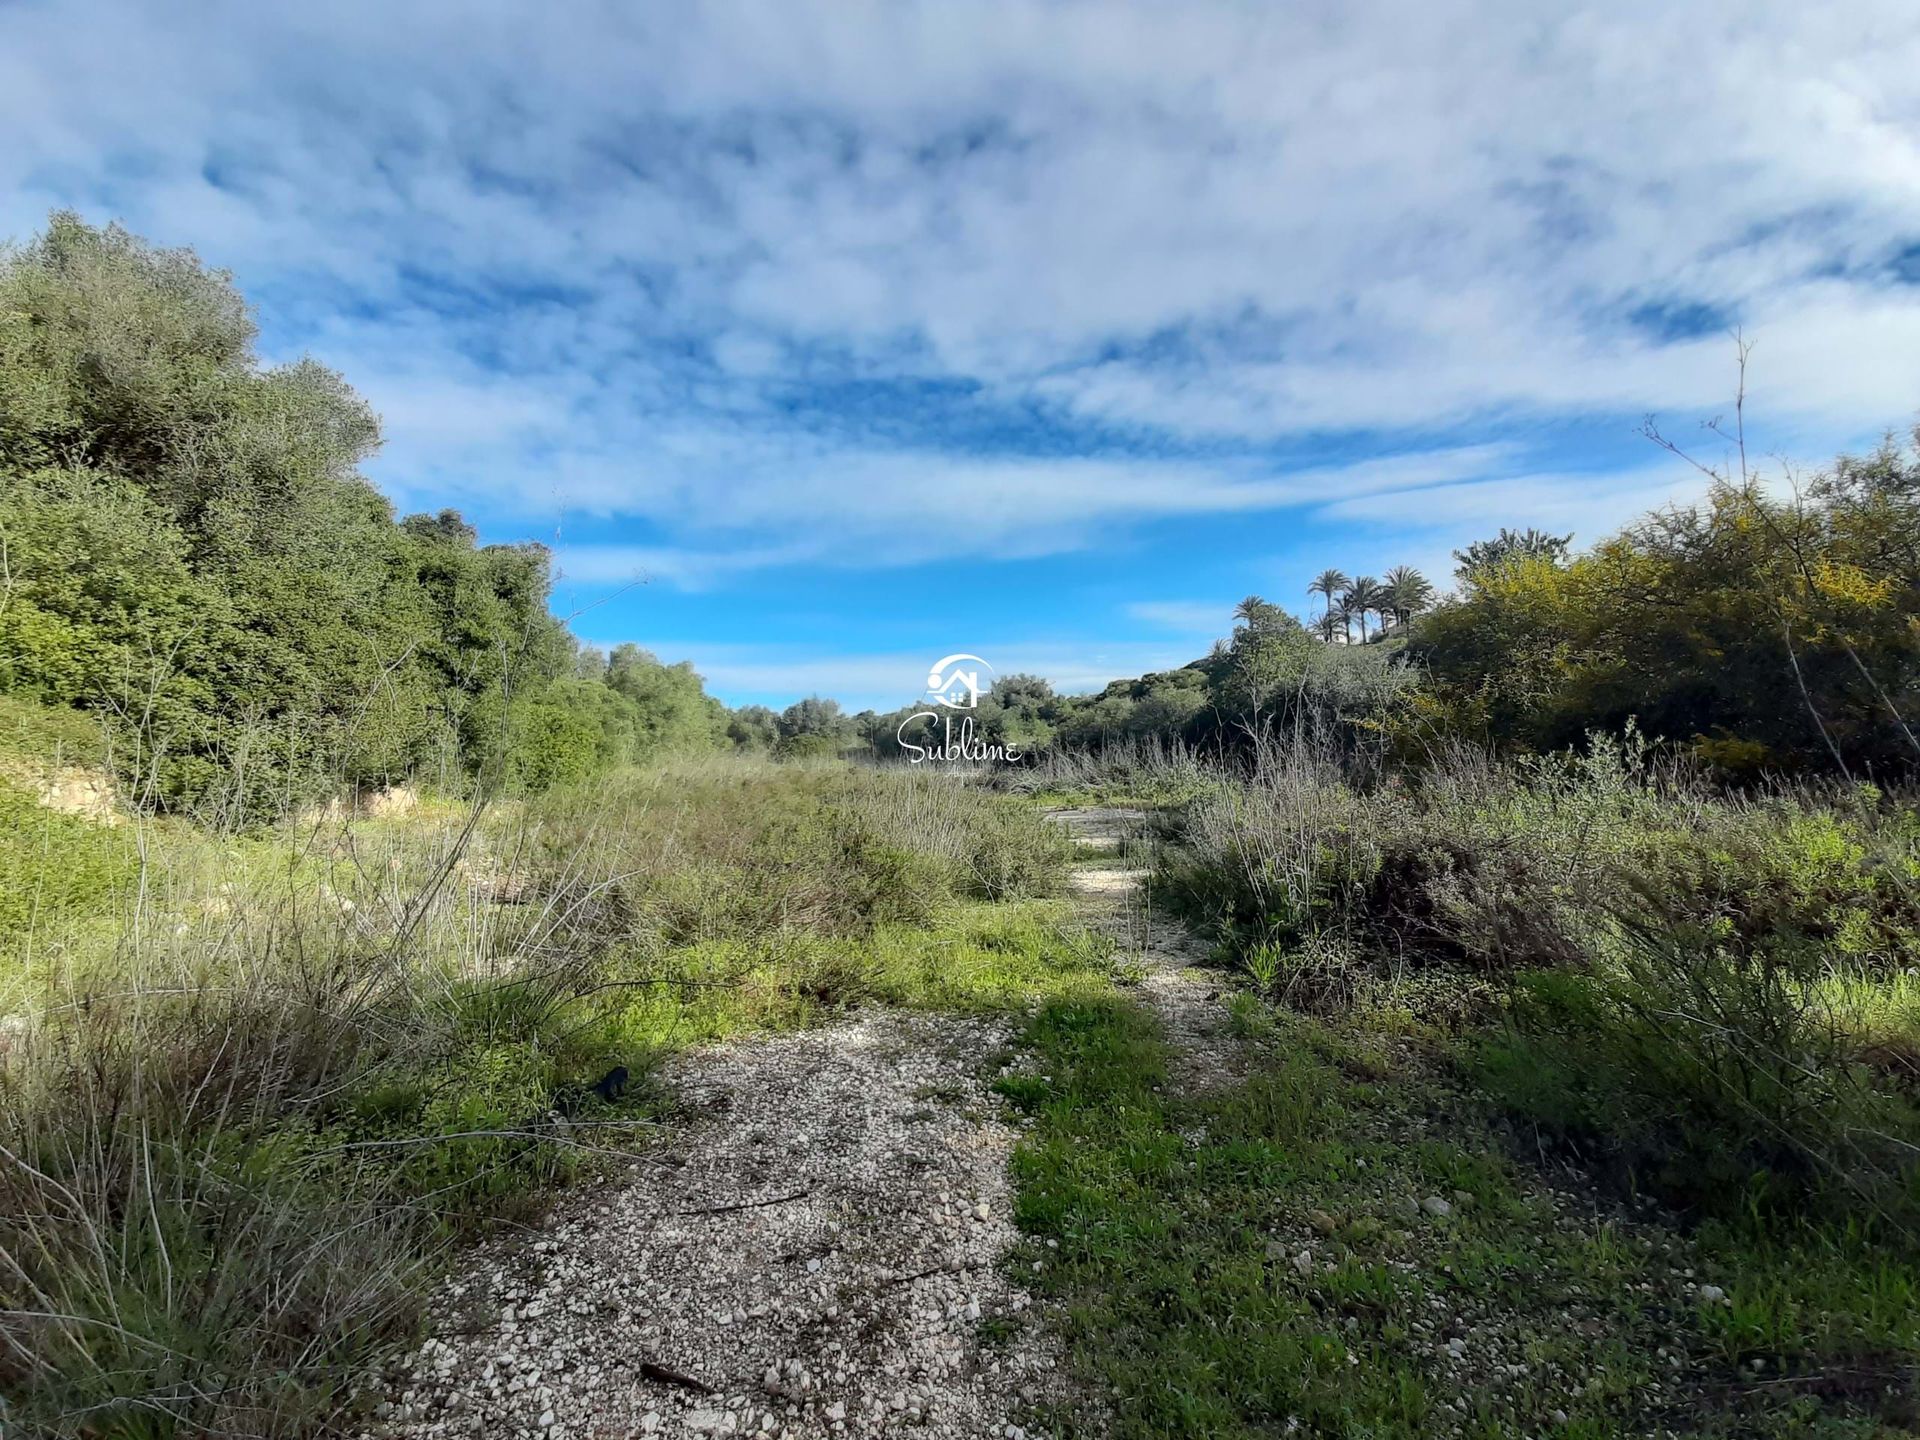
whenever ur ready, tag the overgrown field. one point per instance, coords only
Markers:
(1580, 1099)
(251, 1088)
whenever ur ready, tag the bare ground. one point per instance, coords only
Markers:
(819, 1245)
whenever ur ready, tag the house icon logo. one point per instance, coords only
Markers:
(956, 688)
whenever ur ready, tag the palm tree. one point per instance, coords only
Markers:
(1329, 622)
(1408, 593)
(1328, 583)
(1364, 596)
(1259, 616)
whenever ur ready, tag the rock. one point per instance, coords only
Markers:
(545, 1422)
(1322, 1221)
(1303, 1262)
(1712, 1294)
(837, 1411)
(707, 1422)
(1436, 1207)
(980, 1212)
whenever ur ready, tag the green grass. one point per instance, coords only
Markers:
(1168, 1224)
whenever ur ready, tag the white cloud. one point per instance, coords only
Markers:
(583, 262)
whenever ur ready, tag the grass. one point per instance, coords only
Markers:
(1255, 1261)
(253, 1089)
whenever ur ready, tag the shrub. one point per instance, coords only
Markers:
(1713, 1069)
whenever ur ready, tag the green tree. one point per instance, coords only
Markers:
(1406, 593)
(1331, 584)
(1363, 597)
(190, 550)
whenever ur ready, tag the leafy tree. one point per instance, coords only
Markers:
(1261, 617)
(753, 727)
(1765, 633)
(190, 550)
(670, 701)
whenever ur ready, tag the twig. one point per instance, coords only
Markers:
(745, 1204)
(674, 1377)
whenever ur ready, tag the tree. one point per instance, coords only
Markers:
(1364, 596)
(1022, 692)
(1329, 583)
(1261, 617)
(1528, 544)
(670, 701)
(1764, 634)
(753, 727)
(190, 551)
(1407, 593)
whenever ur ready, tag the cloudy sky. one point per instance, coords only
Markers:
(864, 333)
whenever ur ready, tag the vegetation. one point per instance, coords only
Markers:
(251, 1087)
(1598, 876)
(1598, 964)
(1259, 1256)
(191, 555)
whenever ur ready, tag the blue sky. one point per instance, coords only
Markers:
(866, 333)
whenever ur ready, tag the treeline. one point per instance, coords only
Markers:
(1764, 630)
(188, 550)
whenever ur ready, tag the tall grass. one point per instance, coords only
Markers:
(251, 1087)
(1150, 769)
(1698, 985)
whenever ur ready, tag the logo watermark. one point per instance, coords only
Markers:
(953, 685)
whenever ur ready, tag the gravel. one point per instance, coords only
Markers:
(819, 1245)
(1184, 994)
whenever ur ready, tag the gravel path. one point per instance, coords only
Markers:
(820, 1244)
(1115, 897)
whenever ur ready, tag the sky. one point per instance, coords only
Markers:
(823, 338)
